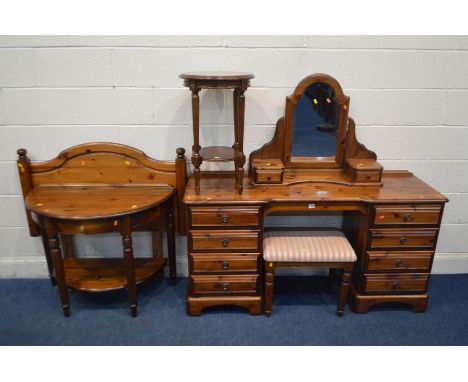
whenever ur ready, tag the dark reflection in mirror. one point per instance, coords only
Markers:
(316, 122)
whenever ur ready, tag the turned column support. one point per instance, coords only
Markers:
(56, 255)
(129, 265)
(171, 243)
(196, 158)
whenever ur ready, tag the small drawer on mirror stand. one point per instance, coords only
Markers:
(267, 171)
(363, 170)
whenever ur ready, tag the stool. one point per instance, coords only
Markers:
(320, 249)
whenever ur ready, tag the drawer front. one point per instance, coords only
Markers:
(367, 176)
(407, 214)
(396, 283)
(238, 284)
(241, 240)
(224, 216)
(263, 176)
(408, 238)
(399, 261)
(224, 263)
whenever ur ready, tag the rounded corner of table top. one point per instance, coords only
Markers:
(78, 202)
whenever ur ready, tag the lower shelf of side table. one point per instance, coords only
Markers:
(106, 274)
(217, 154)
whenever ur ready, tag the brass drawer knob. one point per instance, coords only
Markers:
(399, 263)
(225, 286)
(407, 217)
(403, 240)
(396, 286)
(225, 219)
(225, 242)
(225, 264)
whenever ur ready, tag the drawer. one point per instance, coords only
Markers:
(224, 216)
(399, 261)
(228, 284)
(268, 177)
(367, 176)
(224, 240)
(396, 283)
(402, 238)
(224, 263)
(407, 214)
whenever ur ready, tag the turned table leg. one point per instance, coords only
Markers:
(50, 265)
(239, 157)
(59, 271)
(269, 283)
(171, 243)
(130, 271)
(196, 158)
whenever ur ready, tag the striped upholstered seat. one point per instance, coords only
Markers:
(307, 246)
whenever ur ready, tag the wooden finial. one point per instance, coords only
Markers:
(22, 153)
(180, 152)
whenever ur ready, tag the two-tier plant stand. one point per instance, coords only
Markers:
(239, 82)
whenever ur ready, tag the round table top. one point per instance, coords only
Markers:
(217, 76)
(75, 202)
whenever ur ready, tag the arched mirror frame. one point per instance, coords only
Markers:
(291, 104)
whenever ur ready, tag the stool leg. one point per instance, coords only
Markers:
(331, 277)
(130, 270)
(269, 283)
(59, 272)
(344, 288)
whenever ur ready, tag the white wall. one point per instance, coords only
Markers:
(409, 97)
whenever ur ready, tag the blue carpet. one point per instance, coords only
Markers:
(303, 314)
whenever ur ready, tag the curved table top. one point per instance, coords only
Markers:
(217, 76)
(91, 201)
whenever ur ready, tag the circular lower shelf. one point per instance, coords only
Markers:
(217, 154)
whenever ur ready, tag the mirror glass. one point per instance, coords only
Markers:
(316, 119)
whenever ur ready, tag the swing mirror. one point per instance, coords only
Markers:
(315, 121)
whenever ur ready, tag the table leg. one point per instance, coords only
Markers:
(239, 161)
(196, 158)
(50, 266)
(130, 270)
(59, 271)
(171, 243)
(239, 157)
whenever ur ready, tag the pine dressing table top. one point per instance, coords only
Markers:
(398, 186)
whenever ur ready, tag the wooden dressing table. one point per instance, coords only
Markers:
(391, 218)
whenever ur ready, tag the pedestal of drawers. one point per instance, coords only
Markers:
(224, 245)
(397, 256)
